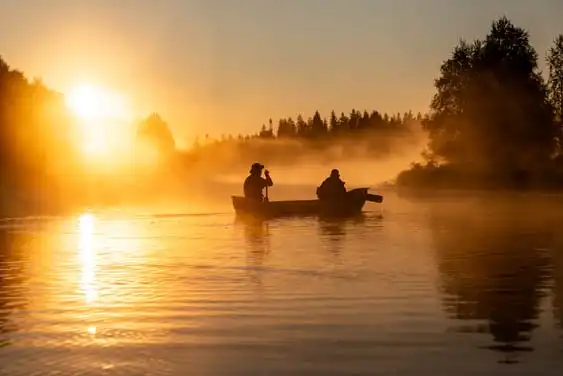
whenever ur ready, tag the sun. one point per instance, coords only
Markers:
(101, 118)
(91, 102)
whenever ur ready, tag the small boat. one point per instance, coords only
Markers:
(352, 204)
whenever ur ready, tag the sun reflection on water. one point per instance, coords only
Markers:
(88, 258)
(113, 279)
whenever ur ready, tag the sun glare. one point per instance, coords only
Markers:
(91, 102)
(102, 117)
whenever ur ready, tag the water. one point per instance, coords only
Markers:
(463, 285)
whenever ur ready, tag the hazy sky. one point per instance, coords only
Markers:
(228, 65)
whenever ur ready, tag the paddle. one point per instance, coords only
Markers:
(374, 198)
(266, 198)
(371, 197)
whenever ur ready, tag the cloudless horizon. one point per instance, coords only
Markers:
(226, 67)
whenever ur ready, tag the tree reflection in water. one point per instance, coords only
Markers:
(494, 268)
(11, 279)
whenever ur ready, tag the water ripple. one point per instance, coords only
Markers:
(418, 289)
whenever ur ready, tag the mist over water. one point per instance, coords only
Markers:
(357, 167)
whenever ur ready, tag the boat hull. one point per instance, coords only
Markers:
(351, 205)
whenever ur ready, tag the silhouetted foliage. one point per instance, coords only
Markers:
(555, 81)
(34, 132)
(491, 111)
(154, 131)
(492, 119)
(317, 128)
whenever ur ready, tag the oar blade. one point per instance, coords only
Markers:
(374, 198)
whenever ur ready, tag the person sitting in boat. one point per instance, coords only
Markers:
(332, 187)
(255, 183)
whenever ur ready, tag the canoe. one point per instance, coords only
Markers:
(352, 204)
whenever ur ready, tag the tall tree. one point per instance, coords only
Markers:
(333, 123)
(34, 128)
(154, 132)
(343, 123)
(555, 82)
(491, 110)
(301, 126)
(318, 128)
(291, 127)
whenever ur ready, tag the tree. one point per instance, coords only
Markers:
(291, 127)
(34, 128)
(490, 111)
(354, 120)
(317, 125)
(363, 120)
(333, 123)
(154, 132)
(343, 123)
(375, 120)
(555, 82)
(286, 128)
(266, 132)
(301, 126)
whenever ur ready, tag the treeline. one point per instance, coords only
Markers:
(358, 134)
(35, 136)
(344, 125)
(355, 135)
(494, 120)
(317, 127)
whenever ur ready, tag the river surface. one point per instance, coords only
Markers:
(465, 284)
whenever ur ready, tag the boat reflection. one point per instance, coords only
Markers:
(332, 232)
(257, 240)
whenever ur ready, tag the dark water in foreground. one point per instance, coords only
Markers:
(458, 286)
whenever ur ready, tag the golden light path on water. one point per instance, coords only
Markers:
(87, 255)
(105, 250)
(88, 258)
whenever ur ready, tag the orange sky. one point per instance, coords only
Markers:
(226, 67)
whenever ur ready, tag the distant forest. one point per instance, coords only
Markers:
(494, 120)
(358, 134)
(317, 127)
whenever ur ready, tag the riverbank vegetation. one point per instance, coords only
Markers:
(494, 121)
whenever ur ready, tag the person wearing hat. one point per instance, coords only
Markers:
(255, 183)
(332, 188)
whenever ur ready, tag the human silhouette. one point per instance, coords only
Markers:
(255, 183)
(332, 188)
